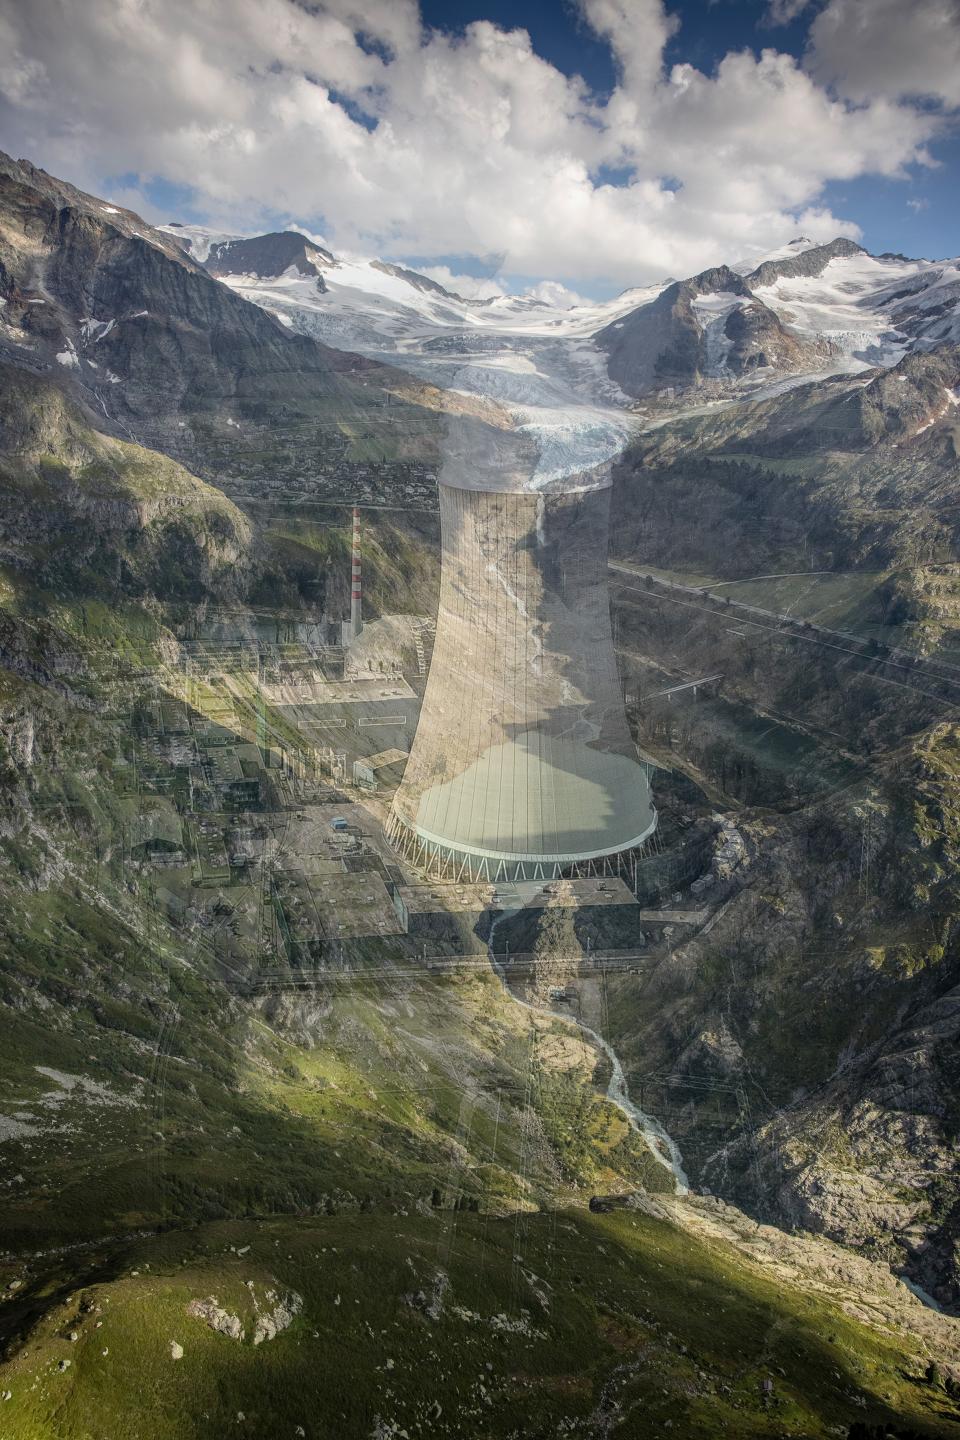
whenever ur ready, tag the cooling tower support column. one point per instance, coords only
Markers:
(523, 766)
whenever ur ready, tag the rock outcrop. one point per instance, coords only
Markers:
(710, 327)
(104, 516)
(270, 256)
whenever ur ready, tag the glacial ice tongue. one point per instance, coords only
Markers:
(553, 443)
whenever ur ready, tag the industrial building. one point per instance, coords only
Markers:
(523, 766)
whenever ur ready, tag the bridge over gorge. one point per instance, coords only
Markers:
(671, 690)
(509, 964)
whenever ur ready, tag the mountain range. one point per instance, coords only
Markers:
(113, 301)
(806, 307)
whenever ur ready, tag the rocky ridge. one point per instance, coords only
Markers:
(707, 327)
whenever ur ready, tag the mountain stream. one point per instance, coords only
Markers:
(663, 1148)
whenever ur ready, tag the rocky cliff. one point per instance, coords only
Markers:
(710, 327)
(97, 515)
(177, 361)
(270, 256)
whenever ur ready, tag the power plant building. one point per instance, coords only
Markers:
(523, 766)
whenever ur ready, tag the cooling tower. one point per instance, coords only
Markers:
(523, 766)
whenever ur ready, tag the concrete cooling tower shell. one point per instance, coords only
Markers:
(523, 766)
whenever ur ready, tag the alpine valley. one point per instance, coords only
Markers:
(296, 1143)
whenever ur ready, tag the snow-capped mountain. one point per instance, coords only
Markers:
(577, 376)
(708, 328)
(375, 304)
(806, 308)
(871, 308)
(834, 304)
(537, 361)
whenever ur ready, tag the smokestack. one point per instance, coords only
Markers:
(356, 622)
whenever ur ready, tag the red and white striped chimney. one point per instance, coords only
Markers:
(356, 623)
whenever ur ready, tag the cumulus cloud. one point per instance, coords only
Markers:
(468, 286)
(782, 12)
(551, 292)
(870, 48)
(397, 139)
(637, 31)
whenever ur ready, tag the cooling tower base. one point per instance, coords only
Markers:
(442, 861)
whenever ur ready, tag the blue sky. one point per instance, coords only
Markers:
(919, 217)
(453, 133)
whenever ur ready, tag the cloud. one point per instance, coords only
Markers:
(872, 48)
(917, 205)
(393, 138)
(784, 12)
(468, 286)
(551, 292)
(637, 31)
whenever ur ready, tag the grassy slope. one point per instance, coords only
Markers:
(454, 1325)
(308, 560)
(98, 514)
(832, 476)
(213, 1107)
